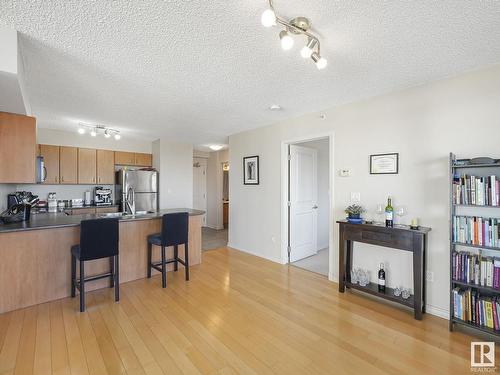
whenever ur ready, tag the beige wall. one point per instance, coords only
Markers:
(423, 124)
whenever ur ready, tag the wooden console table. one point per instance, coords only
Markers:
(398, 238)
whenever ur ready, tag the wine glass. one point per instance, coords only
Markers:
(380, 211)
(401, 211)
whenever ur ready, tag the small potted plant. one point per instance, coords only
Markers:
(354, 212)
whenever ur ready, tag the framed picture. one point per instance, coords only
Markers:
(251, 170)
(384, 164)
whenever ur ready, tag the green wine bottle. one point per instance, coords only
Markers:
(389, 213)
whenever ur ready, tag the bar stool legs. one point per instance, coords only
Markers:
(176, 258)
(112, 270)
(150, 255)
(163, 268)
(116, 276)
(82, 287)
(186, 261)
(73, 276)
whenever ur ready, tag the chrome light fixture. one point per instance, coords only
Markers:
(95, 130)
(297, 26)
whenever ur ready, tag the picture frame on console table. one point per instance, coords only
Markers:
(384, 163)
(251, 170)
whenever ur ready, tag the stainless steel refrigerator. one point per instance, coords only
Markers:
(139, 187)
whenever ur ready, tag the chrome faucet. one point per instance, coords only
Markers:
(130, 203)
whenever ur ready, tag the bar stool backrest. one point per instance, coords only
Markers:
(99, 238)
(174, 229)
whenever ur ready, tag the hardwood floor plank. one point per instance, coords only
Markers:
(43, 359)
(237, 314)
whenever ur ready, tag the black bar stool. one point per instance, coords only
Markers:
(98, 239)
(174, 232)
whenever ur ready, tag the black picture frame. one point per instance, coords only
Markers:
(396, 171)
(248, 180)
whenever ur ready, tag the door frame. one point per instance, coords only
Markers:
(284, 196)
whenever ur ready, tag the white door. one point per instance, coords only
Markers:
(303, 202)
(200, 189)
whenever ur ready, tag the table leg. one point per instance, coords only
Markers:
(418, 277)
(342, 246)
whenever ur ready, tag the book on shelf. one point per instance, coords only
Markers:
(474, 190)
(471, 268)
(475, 230)
(472, 307)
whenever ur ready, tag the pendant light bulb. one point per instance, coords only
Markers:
(117, 136)
(320, 62)
(308, 49)
(286, 40)
(268, 18)
(81, 130)
(106, 133)
(93, 133)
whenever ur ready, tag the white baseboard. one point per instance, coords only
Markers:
(272, 259)
(437, 311)
(214, 227)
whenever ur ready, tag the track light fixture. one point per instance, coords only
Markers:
(97, 129)
(297, 26)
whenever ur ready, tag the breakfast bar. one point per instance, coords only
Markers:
(35, 255)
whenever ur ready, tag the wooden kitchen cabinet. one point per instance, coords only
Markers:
(68, 165)
(105, 167)
(87, 166)
(17, 148)
(106, 209)
(124, 158)
(51, 161)
(143, 160)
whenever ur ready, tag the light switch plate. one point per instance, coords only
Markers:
(345, 173)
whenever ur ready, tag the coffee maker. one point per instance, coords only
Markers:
(18, 207)
(102, 196)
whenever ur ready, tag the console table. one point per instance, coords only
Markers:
(399, 238)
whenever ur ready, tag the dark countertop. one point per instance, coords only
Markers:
(59, 220)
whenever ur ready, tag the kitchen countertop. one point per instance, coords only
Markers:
(59, 220)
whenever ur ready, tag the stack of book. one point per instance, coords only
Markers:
(475, 269)
(474, 230)
(471, 307)
(473, 190)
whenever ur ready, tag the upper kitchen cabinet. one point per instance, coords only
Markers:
(124, 158)
(144, 160)
(68, 165)
(87, 165)
(131, 158)
(50, 156)
(105, 167)
(17, 148)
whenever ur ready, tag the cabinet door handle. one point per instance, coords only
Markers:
(62, 179)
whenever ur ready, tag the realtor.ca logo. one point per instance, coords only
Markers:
(482, 356)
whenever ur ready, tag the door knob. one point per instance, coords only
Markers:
(315, 207)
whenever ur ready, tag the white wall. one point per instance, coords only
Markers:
(175, 164)
(322, 147)
(423, 124)
(8, 41)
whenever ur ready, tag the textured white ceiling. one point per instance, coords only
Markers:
(198, 70)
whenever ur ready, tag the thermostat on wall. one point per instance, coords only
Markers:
(345, 173)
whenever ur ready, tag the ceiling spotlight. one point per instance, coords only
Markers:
(81, 130)
(308, 49)
(216, 147)
(93, 132)
(117, 136)
(106, 133)
(286, 40)
(268, 18)
(321, 62)
(295, 26)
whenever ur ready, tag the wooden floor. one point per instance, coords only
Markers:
(238, 314)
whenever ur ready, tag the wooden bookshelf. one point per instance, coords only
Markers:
(479, 170)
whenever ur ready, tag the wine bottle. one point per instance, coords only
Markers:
(381, 278)
(389, 213)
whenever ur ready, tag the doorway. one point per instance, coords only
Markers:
(308, 212)
(200, 186)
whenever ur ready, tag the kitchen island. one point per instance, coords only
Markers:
(35, 264)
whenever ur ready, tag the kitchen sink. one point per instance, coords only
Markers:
(126, 215)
